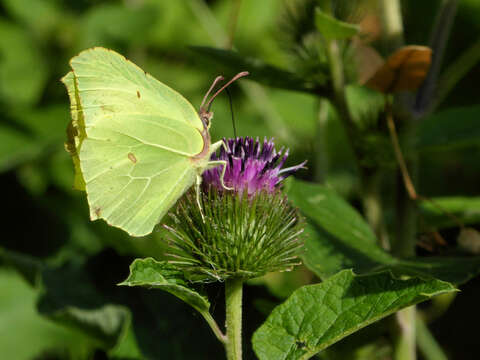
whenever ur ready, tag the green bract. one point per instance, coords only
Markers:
(241, 236)
(137, 145)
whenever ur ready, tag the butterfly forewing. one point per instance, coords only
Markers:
(134, 138)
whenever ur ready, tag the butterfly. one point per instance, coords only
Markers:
(137, 145)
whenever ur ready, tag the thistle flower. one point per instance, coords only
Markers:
(245, 232)
(251, 167)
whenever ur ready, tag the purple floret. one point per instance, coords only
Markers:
(251, 166)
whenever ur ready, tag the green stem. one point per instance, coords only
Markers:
(405, 347)
(372, 205)
(233, 301)
(392, 24)
(321, 158)
(427, 344)
(406, 224)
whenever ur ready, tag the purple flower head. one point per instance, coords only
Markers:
(251, 167)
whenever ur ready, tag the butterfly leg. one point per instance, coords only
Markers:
(198, 182)
(215, 146)
(215, 163)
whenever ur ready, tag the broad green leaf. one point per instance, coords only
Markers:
(26, 334)
(338, 238)
(449, 129)
(162, 275)
(232, 62)
(70, 299)
(331, 212)
(316, 316)
(334, 29)
(139, 144)
(465, 209)
(23, 72)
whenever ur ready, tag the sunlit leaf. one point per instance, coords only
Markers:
(316, 316)
(338, 238)
(164, 276)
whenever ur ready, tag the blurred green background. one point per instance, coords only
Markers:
(58, 298)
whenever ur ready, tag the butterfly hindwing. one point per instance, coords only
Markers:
(133, 138)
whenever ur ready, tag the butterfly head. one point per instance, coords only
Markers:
(206, 117)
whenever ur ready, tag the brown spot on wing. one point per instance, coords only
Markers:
(132, 158)
(138, 94)
(98, 211)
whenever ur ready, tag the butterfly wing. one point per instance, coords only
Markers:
(132, 138)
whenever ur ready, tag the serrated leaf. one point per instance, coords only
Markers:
(316, 316)
(232, 62)
(334, 29)
(449, 129)
(162, 275)
(339, 238)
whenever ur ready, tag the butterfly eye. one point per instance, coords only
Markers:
(206, 116)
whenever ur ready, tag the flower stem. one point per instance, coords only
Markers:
(405, 345)
(427, 344)
(233, 301)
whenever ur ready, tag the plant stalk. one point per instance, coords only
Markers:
(392, 24)
(405, 342)
(427, 344)
(233, 301)
(321, 158)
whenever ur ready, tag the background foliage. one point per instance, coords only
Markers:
(59, 271)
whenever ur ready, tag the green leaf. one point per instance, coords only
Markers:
(23, 72)
(334, 29)
(338, 238)
(71, 299)
(162, 275)
(450, 129)
(336, 219)
(465, 209)
(317, 316)
(232, 62)
(26, 334)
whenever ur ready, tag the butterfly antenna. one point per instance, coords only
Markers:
(231, 111)
(214, 83)
(235, 78)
